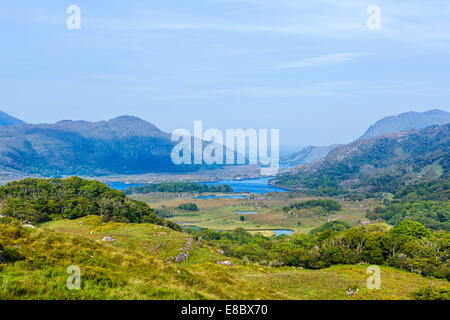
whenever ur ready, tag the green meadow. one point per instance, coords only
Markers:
(135, 264)
(220, 214)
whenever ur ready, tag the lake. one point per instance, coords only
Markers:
(280, 232)
(258, 185)
(123, 186)
(213, 196)
(245, 212)
(277, 232)
(194, 227)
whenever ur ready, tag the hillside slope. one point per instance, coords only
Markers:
(308, 155)
(125, 145)
(39, 200)
(407, 121)
(7, 120)
(133, 265)
(403, 122)
(382, 163)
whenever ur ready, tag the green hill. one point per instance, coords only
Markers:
(380, 164)
(134, 264)
(41, 200)
(124, 251)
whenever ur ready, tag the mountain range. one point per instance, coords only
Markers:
(7, 120)
(407, 121)
(381, 163)
(129, 145)
(307, 155)
(402, 122)
(125, 145)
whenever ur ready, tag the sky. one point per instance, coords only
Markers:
(311, 68)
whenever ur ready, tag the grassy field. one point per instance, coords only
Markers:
(219, 213)
(144, 239)
(134, 264)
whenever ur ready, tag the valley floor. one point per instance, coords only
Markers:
(220, 213)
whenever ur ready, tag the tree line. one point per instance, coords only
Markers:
(409, 246)
(40, 200)
(178, 187)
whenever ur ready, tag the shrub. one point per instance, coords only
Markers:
(188, 207)
(432, 293)
(412, 228)
(332, 225)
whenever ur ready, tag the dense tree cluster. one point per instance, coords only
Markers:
(336, 225)
(40, 200)
(433, 214)
(188, 207)
(328, 205)
(438, 190)
(426, 202)
(178, 187)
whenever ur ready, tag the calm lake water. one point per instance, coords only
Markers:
(194, 227)
(279, 232)
(122, 186)
(245, 212)
(259, 185)
(213, 196)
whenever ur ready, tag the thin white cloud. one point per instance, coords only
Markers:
(321, 89)
(317, 89)
(338, 88)
(323, 60)
(234, 27)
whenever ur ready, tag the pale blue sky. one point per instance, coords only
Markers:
(308, 67)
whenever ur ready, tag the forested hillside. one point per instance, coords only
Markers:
(40, 200)
(380, 164)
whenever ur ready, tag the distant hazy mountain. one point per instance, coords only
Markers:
(407, 121)
(402, 122)
(307, 155)
(381, 163)
(288, 150)
(125, 145)
(7, 120)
